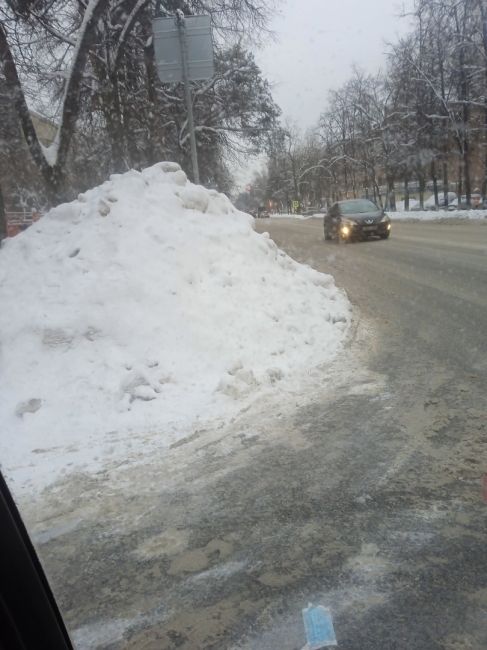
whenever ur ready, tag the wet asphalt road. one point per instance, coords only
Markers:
(430, 279)
(361, 491)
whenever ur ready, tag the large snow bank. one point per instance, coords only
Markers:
(141, 307)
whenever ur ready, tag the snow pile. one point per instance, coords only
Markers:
(283, 215)
(141, 307)
(434, 215)
(300, 217)
(401, 205)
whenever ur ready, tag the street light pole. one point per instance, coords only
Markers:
(187, 92)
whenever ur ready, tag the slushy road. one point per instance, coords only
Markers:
(361, 489)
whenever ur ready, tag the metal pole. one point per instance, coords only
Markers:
(187, 91)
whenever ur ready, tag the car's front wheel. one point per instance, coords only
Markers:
(385, 235)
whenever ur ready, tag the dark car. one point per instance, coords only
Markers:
(356, 219)
(262, 213)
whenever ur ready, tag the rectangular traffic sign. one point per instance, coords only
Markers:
(167, 48)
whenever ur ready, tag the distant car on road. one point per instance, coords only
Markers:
(262, 213)
(356, 219)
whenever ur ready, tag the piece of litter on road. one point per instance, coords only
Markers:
(318, 625)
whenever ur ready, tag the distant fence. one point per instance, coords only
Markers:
(18, 221)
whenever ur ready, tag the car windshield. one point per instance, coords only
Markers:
(357, 206)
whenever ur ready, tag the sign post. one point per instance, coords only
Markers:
(183, 42)
(184, 52)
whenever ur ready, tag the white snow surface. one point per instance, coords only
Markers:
(401, 214)
(434, 215)
(300, 217)
(139, 311)
(400, 205)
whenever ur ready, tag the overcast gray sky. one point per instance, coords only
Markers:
(315, 46)
(317, 43)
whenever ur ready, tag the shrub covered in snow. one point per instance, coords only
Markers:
(143, 305)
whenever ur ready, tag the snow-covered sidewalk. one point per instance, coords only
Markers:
(417, 215)
(434, 215)
(139, 311)
(301, 217)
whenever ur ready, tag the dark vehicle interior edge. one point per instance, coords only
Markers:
(29, 616)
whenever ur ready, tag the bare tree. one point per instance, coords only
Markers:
(100, 59)
(52, 162)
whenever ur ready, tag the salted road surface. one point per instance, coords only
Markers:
(362, 490)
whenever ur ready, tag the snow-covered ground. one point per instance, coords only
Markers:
(283, 215)
(400, 205)
(433, 215)
(419, 215)
(138, 312)
(302, 217)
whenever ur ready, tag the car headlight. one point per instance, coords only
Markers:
(345, 230)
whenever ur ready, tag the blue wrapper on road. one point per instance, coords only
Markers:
(318, 625)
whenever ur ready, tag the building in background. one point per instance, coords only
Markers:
(20, 182)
